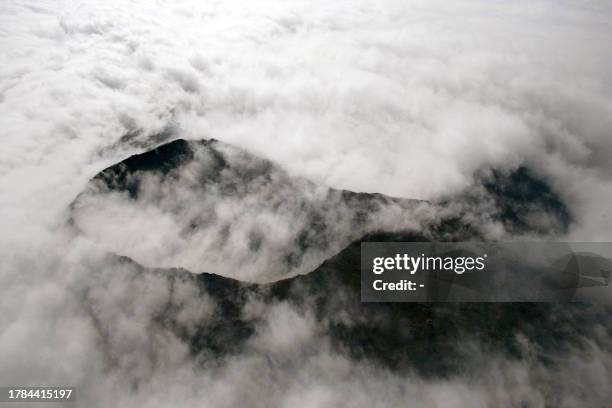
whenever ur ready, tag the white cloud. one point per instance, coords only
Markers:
(407, 98)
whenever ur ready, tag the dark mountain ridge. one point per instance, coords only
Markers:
(400, 336)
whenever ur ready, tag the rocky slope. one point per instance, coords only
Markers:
(205, 199)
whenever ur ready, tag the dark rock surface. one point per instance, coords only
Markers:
(330, 224)
(216, 207)
(425, 337)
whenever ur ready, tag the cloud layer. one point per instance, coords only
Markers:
(403, 98)
(407, 98)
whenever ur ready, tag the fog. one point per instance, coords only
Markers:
(407, 98)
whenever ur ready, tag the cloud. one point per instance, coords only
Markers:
(408, 98)
(210, 207)
(404, 98)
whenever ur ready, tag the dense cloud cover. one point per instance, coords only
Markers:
(403, 98)
(413, 99)
(208, 206)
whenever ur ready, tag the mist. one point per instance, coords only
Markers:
(411, 99)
